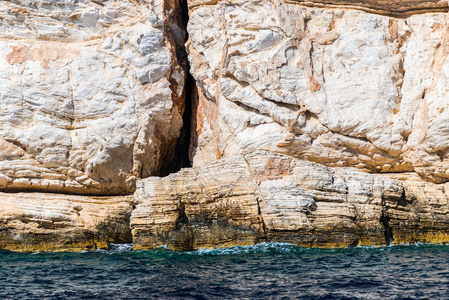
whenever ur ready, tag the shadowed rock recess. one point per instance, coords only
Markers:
(320, 123)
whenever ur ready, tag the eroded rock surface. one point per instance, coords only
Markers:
(273, 197)
(294, 100)
(31, 222)
(338, 86)
(388, 7)
(91, 93)
(214, 206)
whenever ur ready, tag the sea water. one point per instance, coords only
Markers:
(265, 271)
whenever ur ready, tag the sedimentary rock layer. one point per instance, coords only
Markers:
(395, 8)
(238, 200)
(32, 222)
(273, 197)
(388, 7)
(208, 207)
(91, 93)
(337, 86)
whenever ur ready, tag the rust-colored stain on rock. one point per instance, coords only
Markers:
(44, 54)
(18, 54)
(314, 85)
(9, 149)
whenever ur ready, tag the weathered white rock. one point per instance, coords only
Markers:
(386, 7)
(91, 98)
(91, 93)
(214, 206)
(50, 222)
(338, 86)
(264, 196)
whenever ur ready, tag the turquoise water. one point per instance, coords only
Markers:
(265, 271)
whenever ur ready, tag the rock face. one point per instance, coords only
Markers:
(387, 7)
(91, 93)
(273, 197)
(338, 86)
(295, 103)
(207, 207)
(52, 222)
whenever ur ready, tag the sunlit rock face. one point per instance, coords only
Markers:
(365, 87)
(91, 93)
(54, 222)
(264, 196)
(386, 7)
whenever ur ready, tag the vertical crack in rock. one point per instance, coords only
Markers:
(264, 226)
(259, 209)
(182, 159)
(385, 220)
(183, 236)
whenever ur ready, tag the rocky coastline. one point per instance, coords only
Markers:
(209, 124)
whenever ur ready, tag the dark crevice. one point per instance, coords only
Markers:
(289, 106)
(17, 144)
(182, 158)
(403, 201)
(250, 109)
(385, 220)
(183, 236)
(354, 244)
(182, 219)
(388, 231)
(264, 226)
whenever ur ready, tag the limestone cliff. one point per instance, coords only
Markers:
(91, 99)
(321, 123)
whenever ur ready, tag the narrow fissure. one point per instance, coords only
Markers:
(259, 209)
(182, 157)
(385, 220)
(264, 226)
(388, 232)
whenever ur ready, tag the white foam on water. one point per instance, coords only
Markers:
(257, 248)
(117, 248)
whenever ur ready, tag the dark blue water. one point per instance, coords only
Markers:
(266, 271)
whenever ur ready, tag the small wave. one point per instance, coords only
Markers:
(272, 247)
(117, 248)
(163, 247)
